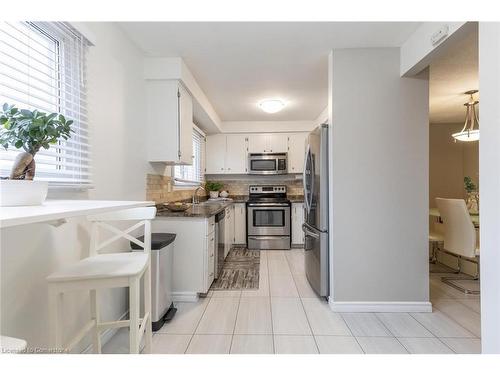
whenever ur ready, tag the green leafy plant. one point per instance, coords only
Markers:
(469, 185)
(213, 186)
(31, 131)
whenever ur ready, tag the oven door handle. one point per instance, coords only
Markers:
(268, 204)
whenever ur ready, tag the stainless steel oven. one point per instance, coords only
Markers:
(268, 218)
(268, 164)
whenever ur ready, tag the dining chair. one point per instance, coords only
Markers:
(103, 271)
(436, 239)
(459, 239)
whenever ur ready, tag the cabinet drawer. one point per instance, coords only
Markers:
(211, 246)
(210, 225)
(210, 272)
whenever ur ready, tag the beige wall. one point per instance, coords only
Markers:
(449, 162)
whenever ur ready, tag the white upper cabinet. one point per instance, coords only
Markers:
(236, 153)
(170, 122)
(226, 154)
(260, 143)
(278, 142)
(296, 152)
(215, 154)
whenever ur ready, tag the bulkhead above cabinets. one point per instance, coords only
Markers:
(169, 122)
(228, 153)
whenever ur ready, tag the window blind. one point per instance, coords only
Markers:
(193, 174)
(43, 67)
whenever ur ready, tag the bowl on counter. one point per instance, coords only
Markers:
(177, 206)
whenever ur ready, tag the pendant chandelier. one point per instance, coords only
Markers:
(470, 131)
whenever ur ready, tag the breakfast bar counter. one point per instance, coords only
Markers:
(56, 210)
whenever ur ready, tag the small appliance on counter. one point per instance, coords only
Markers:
(268, 218)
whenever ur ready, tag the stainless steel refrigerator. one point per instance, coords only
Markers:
(315, 225)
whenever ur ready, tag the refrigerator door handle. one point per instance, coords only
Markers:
(309, 232)
(304, 177)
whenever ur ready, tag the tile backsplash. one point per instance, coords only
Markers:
(240, 186)
(160, 188)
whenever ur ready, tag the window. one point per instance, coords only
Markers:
(42, 66)
(192, 175)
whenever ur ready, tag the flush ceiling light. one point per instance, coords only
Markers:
(272, 105)
(469, 132)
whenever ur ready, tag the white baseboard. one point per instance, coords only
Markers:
(106, 335)
(375, 306)
(185, 297)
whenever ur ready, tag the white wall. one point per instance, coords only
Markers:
(489, 169)
(417, 51)
(379, 167)
(29, 253)
(267, 126)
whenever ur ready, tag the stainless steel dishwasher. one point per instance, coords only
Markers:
(220, 229)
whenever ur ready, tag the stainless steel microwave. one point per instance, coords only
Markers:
(275, 163)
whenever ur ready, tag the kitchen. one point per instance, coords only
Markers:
(251, 188)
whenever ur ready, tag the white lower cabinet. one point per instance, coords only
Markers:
(229, 230)
(240, 224)
(194, 254)
(297, 221)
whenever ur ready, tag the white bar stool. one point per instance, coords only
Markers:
(100, 271)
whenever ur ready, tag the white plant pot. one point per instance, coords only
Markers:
(22, 192)
(214, 194)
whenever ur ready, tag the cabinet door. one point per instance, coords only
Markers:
(215, 154)
(258, 143)
(297, 221)
(231, 228)
(296, 152)
(236, 153)
(185, 126)
(210, 272)
(240, 224)
(228, 232)
(163, 121)
(277, 142)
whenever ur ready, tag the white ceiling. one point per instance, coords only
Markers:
(237, 64)
(453, 73)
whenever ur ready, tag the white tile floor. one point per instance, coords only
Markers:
(285, 316)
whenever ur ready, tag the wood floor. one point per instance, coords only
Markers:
(285, 316)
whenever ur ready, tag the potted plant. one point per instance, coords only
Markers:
(472, 199)
(213, 188)
(30, 131)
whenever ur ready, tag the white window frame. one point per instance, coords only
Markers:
(178, 182)
(66, 164)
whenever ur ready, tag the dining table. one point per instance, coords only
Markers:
(434, 212)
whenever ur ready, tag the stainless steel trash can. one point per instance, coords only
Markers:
(162, 252)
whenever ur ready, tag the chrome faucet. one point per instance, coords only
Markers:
(196, 199)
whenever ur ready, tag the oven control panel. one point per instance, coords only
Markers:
(266, 189)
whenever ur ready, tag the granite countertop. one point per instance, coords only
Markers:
(206, 210)
(203, 210)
